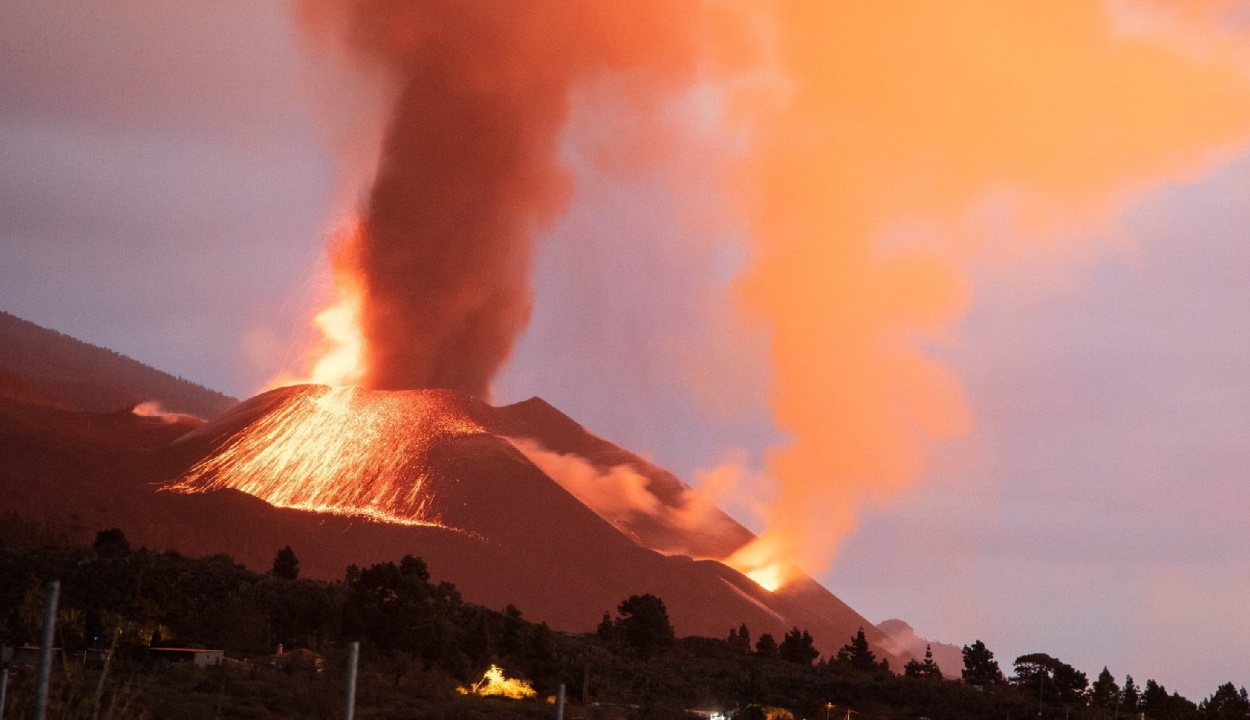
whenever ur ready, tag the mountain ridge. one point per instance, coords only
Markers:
(42, 366)
(513, 533)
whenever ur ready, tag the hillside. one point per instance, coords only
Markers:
(45, 367)
(512, 525)
(509, 533)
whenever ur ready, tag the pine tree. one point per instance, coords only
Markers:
(285, 564)
(1154, 700)
(1226, 703)
(929, 667)
(607, 629)
(111, 543)
(1071, 683)
(1129, 696)
(740, 639)
(980, 667)
(513, 628)
(798, 647)
(1105, 693)
(644, 623)
(857, 654)
(766, 646)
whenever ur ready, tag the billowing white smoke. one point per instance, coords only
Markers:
(622, 495)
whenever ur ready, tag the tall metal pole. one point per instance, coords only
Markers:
(353, 657)
(45, 650)
(560, 703)
(4, 686)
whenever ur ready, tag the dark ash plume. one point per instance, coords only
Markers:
(469, 172)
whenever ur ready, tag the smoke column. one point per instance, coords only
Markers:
(896, 122)
(469, 170)
(878, 134)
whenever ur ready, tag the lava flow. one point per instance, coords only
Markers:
(341, 450)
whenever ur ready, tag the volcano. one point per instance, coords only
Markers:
(351, 476)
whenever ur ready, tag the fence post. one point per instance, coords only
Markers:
(45, 650)
(353, 657)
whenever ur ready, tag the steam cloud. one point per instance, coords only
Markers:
(469, 171)
(619, 492)
(899, 123)
(889, 128)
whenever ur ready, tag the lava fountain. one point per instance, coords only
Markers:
(340, 450)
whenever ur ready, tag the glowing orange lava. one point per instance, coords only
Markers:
(343, 360)
(339, 356)
(494, 683)
(763, 562)
(341, 450)
(342, 348)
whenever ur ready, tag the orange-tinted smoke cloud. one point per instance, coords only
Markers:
(470, 171)
(891, 122)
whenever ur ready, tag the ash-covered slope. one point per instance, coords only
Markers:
(42, 366)
(506, 533)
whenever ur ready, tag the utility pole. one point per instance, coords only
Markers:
(560, 703)
(353, 657)
(45, 650)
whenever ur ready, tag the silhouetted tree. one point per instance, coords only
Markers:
(295, 613)
(857, 654)
(607, 628)
(111, 543)
(477, 637)
(740, 639)
(1157, 704)
(1130, 696)
(513, 630)
(798, 647)
(1226, 703)
(1154, 700)
(980, 667)
(285, 564)
(1050, 679)
(928, 669)
(644, 623)
(1032, 675)
(766, 646)
(1070, 683)
(397, 608)
(1104, 694)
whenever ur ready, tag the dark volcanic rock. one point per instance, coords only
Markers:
(513, 535)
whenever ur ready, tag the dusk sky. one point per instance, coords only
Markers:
(170, 176)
